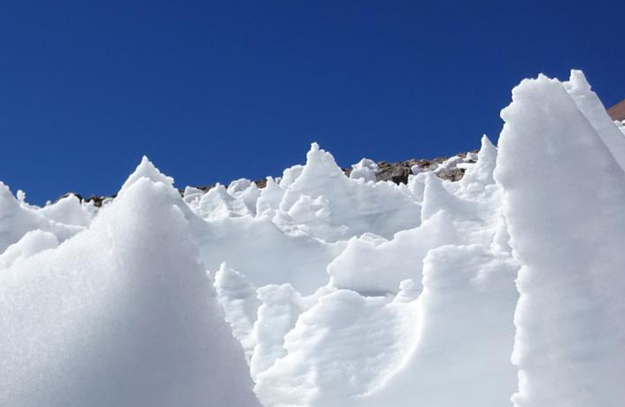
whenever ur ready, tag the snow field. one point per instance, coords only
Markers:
(325, 290)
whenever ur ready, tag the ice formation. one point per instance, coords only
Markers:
(570, 337)
(321, 289)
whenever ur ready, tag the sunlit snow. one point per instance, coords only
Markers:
(506, 288)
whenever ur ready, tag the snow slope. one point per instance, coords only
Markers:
(505, 288)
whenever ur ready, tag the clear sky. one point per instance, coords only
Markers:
(214, 91)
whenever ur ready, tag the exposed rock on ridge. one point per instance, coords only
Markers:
(396, 172)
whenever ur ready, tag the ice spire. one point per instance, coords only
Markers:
(146, 169)
(566, 224)
(591, 107)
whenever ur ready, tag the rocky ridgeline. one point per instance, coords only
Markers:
(396, 172)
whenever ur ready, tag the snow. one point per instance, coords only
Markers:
(591, 107)
(480, 174)
(280, 309)
(30, 244)
(146, 169)
(365, 169)
(69, 211)
(322, 289)
(339, 348)
(461, 351)
(122, 314)
(323, 202)
(18, 218)
(238, 299)
(566, 224)
(377, 266)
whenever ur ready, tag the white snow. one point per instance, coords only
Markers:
(120, 315)
(377, 266)
(365, 169)
(325, 290)
(567, 225)
(461, 350)
(18, 218)
(238, 299)
(591, 107)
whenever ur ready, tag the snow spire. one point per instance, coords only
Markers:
(482, 171)
(566, 225)
(593, 110)
(146, 169)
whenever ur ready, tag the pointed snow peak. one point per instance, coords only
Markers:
(487, 148)
(486, 158)
(218, 190)
(486, 143)
(229, 279)
(320, 163)
(591, 107)
(21, 196)
(314, 152)
(223, 267)
(577, 82)
(436, 198)
(224, 277)
(271, 183)
(482, 172)
(146, 169)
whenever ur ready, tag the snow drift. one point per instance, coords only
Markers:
(320, 289)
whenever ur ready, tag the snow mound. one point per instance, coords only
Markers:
(120, 315)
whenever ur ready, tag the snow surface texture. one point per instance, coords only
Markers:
(504, 288)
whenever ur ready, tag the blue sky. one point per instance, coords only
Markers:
(214, 91)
